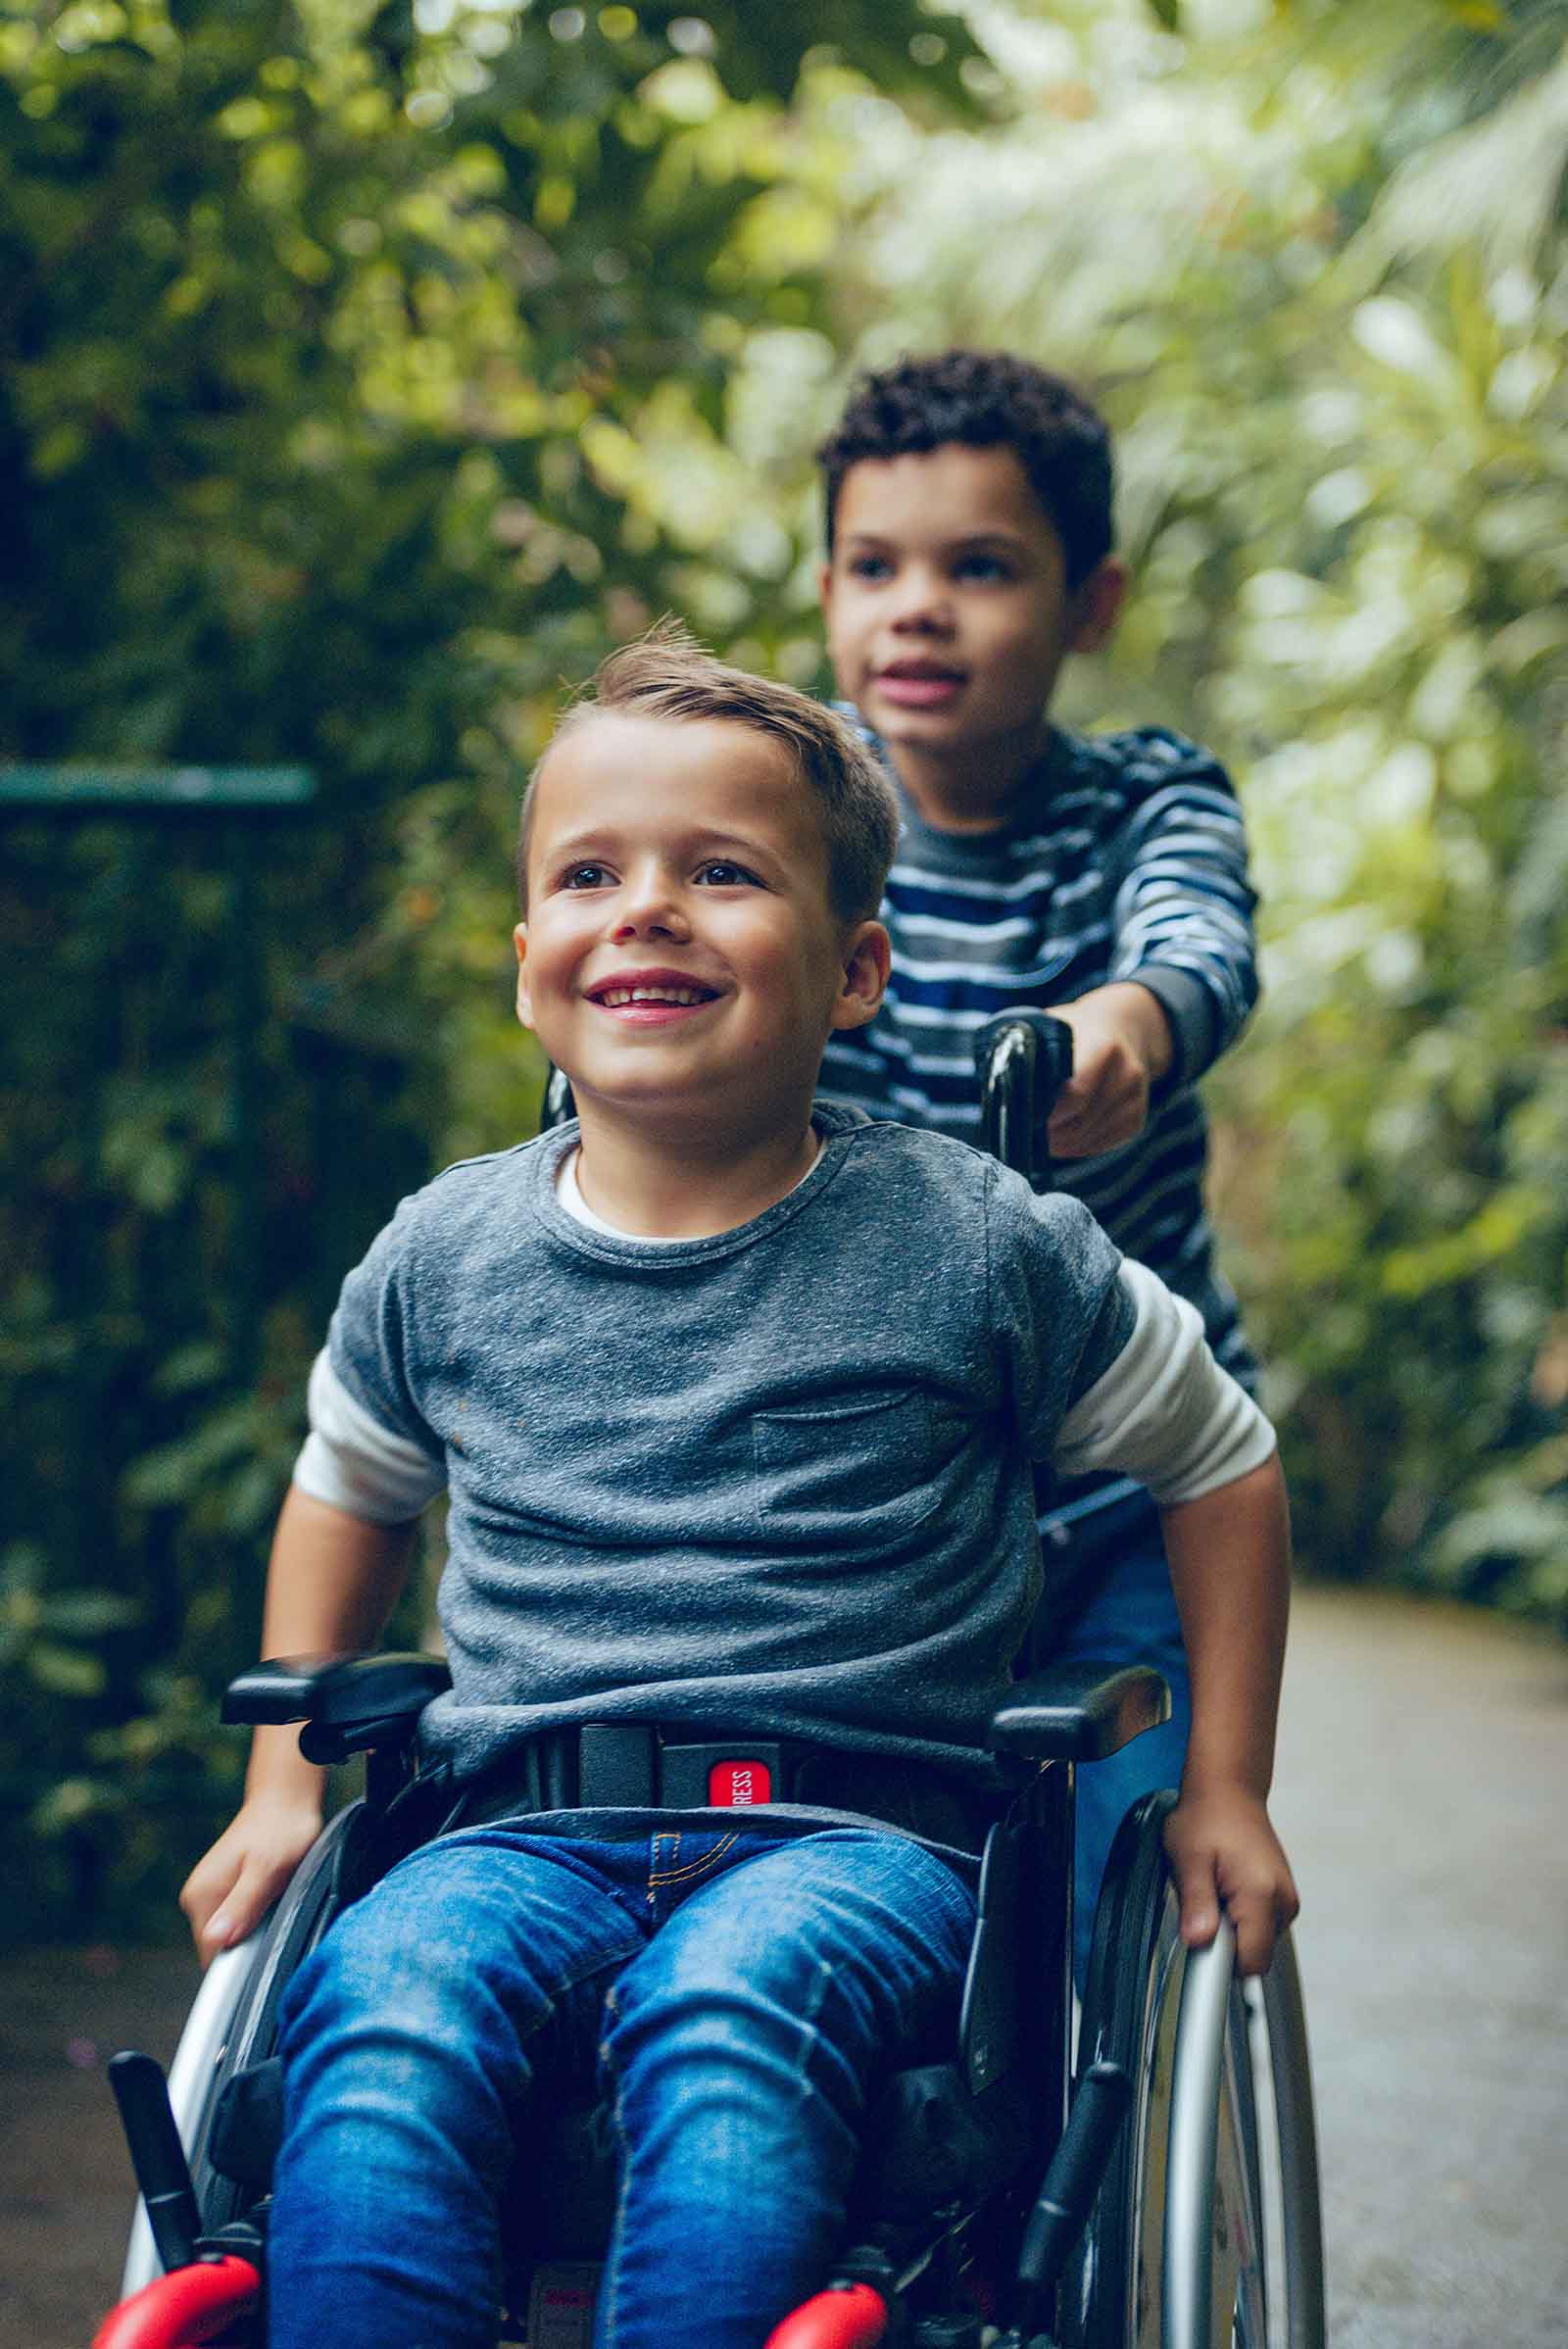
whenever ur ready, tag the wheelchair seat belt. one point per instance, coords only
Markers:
(638, 1766)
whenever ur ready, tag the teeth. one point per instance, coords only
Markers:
(616, 996)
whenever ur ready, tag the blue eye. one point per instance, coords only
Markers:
(722, 873)
(870, 566)
(986, 568)
(583, 876)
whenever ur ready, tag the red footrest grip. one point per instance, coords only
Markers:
(851, 2316)
(184, 2308)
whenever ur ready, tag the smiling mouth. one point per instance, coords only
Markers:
(617, 996)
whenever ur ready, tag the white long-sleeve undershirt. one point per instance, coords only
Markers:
(1164, 1413)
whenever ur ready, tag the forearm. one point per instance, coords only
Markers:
(1193, 1016)
(331, 1584)
(1207, 1001)
(1229, 1553)
(1184, 911)
(330, 1588)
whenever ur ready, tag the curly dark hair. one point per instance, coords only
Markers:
(984, 400)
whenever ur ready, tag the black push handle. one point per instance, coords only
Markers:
(157, 2156)
(1072, 2180)
(1022, 1058)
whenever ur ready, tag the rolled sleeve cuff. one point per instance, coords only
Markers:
(1164, 1413)
(352, 1462)
(1194, 1016)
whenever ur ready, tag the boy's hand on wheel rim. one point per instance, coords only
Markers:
(231, 1888)
(1224, 1854)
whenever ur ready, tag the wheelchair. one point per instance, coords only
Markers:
(1142, 2175)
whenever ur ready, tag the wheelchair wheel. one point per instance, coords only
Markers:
(1207, 2233)
(234, 2023)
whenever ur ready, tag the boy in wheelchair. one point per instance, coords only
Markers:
(737, 1400)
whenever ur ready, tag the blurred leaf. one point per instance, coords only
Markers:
(64, 1671)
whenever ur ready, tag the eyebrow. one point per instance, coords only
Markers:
(596, 842)
(969, 541)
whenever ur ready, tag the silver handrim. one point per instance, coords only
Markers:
(1196, 2161)
(1243, 2258)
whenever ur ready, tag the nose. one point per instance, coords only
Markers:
(651, 906)
(923, 604)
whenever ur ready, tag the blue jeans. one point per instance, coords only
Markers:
(1129, 1617)
(738, 1994)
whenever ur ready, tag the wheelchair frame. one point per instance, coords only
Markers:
(1191, 2224)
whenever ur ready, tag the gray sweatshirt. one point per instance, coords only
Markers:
(778, 1479)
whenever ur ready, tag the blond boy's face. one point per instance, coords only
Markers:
(948, 611)
(680, 948)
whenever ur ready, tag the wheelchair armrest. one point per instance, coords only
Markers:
(347, 1702)
(1079, 1712)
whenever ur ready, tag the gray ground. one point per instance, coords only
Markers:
(1423, 1783)
(1424, 1771)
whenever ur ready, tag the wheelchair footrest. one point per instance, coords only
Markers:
(184, 2308)
(848, 2315)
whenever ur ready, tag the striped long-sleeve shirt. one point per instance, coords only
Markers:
(1127, 860)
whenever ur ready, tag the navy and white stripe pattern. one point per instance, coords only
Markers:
(1127, 860)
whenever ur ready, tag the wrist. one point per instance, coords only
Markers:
(279, 1776)
(1224, 1782)
(1145, 1026)
(1193, 1020)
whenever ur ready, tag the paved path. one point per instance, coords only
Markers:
(1422, 1788)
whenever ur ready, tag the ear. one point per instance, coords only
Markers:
(867, 958)
(824, 586)
(1098, 601)
(520, 939)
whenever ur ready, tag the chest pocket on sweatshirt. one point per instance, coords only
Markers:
(860, 1472)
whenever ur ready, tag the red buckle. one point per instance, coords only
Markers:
(735, 1784)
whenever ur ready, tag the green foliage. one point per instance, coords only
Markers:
(47, 1639)
(369, 370)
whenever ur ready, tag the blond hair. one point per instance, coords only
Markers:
(667, 673)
